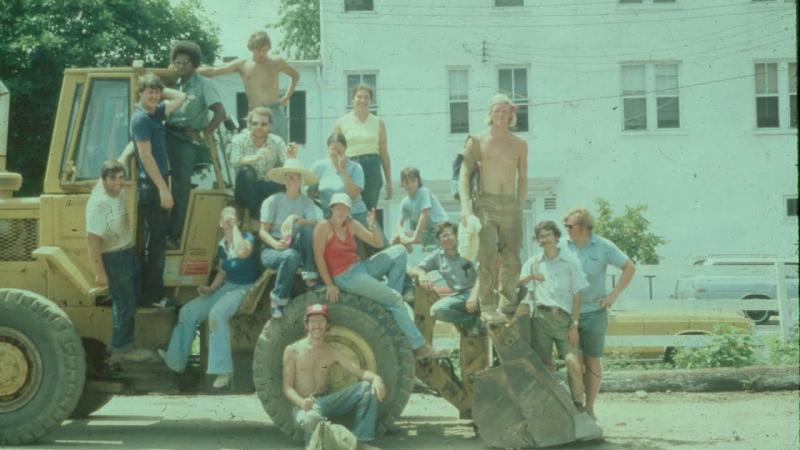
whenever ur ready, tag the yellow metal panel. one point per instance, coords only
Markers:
(28, 275)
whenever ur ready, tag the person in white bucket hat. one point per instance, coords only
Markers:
(340, 267)
(287, 224)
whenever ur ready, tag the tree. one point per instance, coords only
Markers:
(300, 23)
(40, 38)
(629, 231)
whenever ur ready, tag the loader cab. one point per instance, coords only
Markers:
(93, 125)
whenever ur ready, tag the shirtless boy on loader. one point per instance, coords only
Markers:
(260, 78)
(502, 159)
(305, 382)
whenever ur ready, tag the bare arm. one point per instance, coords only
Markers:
(174, 100)
(350, 186)
(628, 269)
(294, 74)
(219, 117)
(378, 388)
(265, 236)
(371, 236)
(522, 176)
(210, 71)
(424, 218)
(289, 358)
(241, 246)
(385, 161)
(323, 232)
(94, 243)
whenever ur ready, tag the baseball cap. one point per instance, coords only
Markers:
(317, 308)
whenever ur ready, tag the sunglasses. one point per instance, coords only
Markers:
(260, 124)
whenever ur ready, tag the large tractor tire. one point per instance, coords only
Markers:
(360, 328)
(42, 366)
(90, 400)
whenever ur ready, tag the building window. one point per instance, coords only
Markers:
(650, 90)
(667, 101)
(370, 79)
(634, 102)
(793, 95)
(514, 83)
(776, 94)
(459, 100)
(791, 207)
(767, 114)
(501, 3)
(642, 1)
(297, 117)
(358, 5)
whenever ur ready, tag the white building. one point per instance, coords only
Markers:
(687, 107)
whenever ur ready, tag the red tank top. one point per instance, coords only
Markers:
(340, 254)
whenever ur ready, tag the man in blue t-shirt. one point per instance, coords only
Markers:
(595, 254)
(155, 199)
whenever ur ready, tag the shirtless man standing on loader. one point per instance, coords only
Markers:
(305, 382)
(502, 161)
(260, 78)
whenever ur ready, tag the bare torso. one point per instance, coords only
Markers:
(311, 367)
(260, 82)
(500, 163)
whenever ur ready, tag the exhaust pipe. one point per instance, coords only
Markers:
(9, 182)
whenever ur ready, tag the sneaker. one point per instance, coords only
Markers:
(277, 312)
(171, 244)
(428, 352)
(222, 381)
(132, 355)
(165, 303)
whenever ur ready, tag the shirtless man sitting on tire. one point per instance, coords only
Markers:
(305, 382)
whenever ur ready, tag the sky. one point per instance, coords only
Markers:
(238, 18)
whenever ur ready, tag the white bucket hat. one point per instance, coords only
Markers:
(278, 174)
(341, 197)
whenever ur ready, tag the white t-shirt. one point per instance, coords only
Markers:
(108, 218)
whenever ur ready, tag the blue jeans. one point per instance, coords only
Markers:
(156, 221)
(362, 279)
(288, 261)
(122, 269)
(357, 396)
(280, 124)
(373, 179)
(218, 307)
(251, 190)
(453, 309)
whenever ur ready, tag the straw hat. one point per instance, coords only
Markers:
(278, 174)
(341, 197)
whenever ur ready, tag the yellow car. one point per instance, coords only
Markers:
(654, 328)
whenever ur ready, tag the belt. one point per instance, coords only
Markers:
(551, 309)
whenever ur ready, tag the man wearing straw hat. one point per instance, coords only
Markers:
(287, 224)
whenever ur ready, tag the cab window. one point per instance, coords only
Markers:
(104, 126)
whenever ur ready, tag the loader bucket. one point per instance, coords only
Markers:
(519, 404)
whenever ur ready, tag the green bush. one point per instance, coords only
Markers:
(731, 348)
(784, 353)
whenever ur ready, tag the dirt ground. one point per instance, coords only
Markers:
(657, 421)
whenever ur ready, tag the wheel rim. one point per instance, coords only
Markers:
(354, 348)
(758, 316)
(20, 369)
